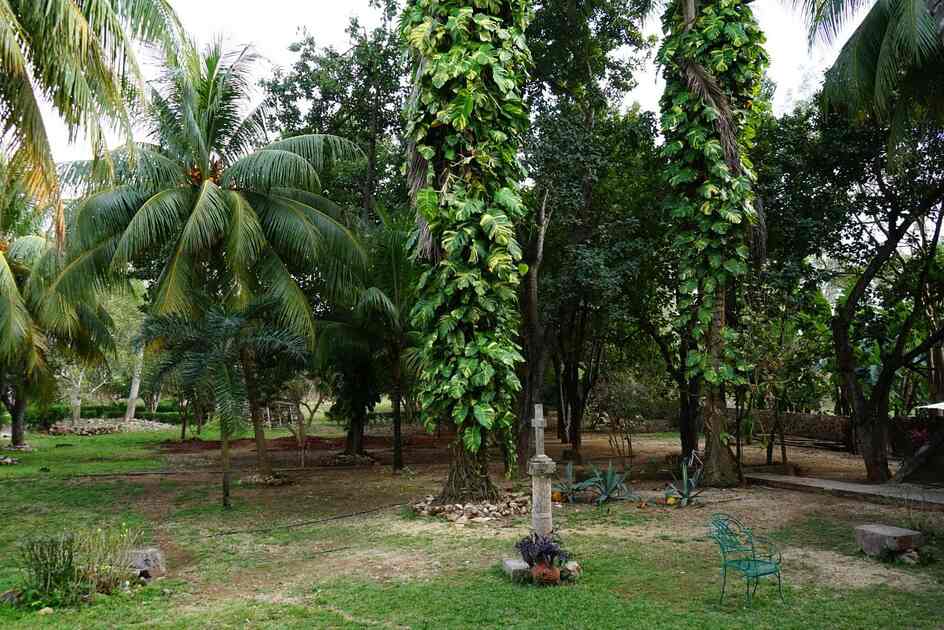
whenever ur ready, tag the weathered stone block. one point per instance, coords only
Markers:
(571, 570)
(148, 563)
(517, 570)
(876, 540)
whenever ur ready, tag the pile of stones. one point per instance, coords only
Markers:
(91, 426)
(517, 504)
(346, 459)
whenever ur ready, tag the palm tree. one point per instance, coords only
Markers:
(892, 64)
(205, 355)
(36, 320)
(220, 214)
(79, 57)
(374, 330)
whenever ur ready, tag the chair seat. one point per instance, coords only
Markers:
(754, 568)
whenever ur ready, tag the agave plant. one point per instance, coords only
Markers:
(609, 485)
(568, 486)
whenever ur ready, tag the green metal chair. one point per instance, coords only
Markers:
(750, 556)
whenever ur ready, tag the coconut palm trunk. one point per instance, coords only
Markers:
(263, 463)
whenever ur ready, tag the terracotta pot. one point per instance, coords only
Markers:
(544, 574)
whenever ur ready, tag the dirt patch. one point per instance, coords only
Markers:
(829, 567)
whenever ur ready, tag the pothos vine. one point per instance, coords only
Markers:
(464, 124)
(713, 67)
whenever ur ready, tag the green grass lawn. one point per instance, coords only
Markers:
(644, 568)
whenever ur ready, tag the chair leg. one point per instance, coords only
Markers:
(724, 583)
(747, 584)
(780, 587)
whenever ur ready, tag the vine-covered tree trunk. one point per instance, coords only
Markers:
(721, 468)
(714, 63)
(468, 478)
(464, 123)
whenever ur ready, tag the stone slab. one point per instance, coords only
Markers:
(148, 563)
(876, 540)
(517, 570)
(896, 494)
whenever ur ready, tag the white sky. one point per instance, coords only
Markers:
(270, 26)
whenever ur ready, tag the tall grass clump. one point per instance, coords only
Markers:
(69, 569)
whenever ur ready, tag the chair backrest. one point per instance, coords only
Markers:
(730, 534)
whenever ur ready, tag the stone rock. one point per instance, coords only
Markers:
(877, 540)
(46, 611)
(8, 461)
(571, 570)
(148, 563)
(517, 570)
(480, 519)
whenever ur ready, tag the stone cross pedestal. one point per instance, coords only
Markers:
(541, 468)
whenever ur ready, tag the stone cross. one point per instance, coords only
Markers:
(541, 467)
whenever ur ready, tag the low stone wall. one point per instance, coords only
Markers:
(816, 426)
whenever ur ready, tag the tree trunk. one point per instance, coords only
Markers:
(76, 399)
(873, 435)
(936, 9)
(688, 416)
(184, 417)
(18, 421)
(354, 442)
(720, 464)
(301, 436)
(532, 391)
(263, 464)
(468, 478)
(397, 419)
(563, 408)
(224, 434)
(135, 385)
(199, 416)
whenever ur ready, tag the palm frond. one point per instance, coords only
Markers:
(269, 168)
(319, 150)
(15, 320)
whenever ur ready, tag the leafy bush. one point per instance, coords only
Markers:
(69, 569)
(168, 417)
(536, 549)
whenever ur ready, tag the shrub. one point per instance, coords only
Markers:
(536, 549)
(51, 573)
(69, 569)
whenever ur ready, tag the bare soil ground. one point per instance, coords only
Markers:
(334, 491)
